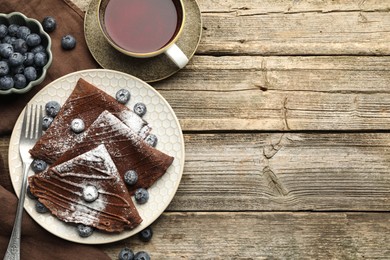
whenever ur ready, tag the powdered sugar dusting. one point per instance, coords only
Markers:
(134, 122)
(86, 212)
(98, 156)
(106, 119)
(81, 211)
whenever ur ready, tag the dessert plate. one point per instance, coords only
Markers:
(147, 69)
(160, 116)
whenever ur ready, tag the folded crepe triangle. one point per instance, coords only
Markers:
(126, 148)
(86, 102)
(61, 188)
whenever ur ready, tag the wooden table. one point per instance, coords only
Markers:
(285, 110)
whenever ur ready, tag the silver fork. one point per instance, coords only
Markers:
(30, 133)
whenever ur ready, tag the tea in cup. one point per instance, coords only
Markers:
(144, 28)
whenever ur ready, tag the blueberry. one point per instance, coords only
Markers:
(13, 39)
(141, 196)
(141, 255)
(33, 40)
(13, 29)
(68, 42)
(23, 32)
(7, 39)
(90, 193)
(126, 254)
(40, 208)
(3, 31)
(38, 165)
(37, 49)
(77, 125)
(16, 59)
(49, 24)
(131, 177)
(6, 82)
(146, 234)
(52, 108)
(123, 96)
(40, 59)
(6, 50)
(140, 109)
(4, 68)
(28, 58)
(30, 73)
(84, 231)
(17, 69)
(20, 45)
(38, 70)
(29, 194)
(151, 140)
(20, 81)
(46, 122)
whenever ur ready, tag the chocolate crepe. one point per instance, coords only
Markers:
(60, 188)
(86, 102)
(127, 149)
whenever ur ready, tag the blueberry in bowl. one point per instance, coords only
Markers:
(25, 53)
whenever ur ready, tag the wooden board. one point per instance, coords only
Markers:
(292, 171)
(295, 27)
(281, 235)
(288, 6)
(281, 93)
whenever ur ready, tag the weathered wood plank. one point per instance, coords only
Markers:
(288, 6)
(281, 93)
(254, 29)
(265, 236)
(292, 171)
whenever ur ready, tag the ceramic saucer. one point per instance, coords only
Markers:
(150, 69)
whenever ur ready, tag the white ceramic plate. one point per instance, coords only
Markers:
(159, 115)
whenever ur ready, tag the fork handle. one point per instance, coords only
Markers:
(13, 249)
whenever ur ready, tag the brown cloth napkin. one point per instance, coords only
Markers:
(70, 20)
(37, 243)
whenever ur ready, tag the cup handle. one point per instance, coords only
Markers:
(177, 56)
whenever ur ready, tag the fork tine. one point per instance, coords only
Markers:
(39, 122)
(32, 123)
(24, 124)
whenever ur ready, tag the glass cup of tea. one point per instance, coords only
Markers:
(144, 28)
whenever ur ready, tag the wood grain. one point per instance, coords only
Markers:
(288, 6)
(265, 236)
(295, 28)
(292, 171)
(281, 93)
